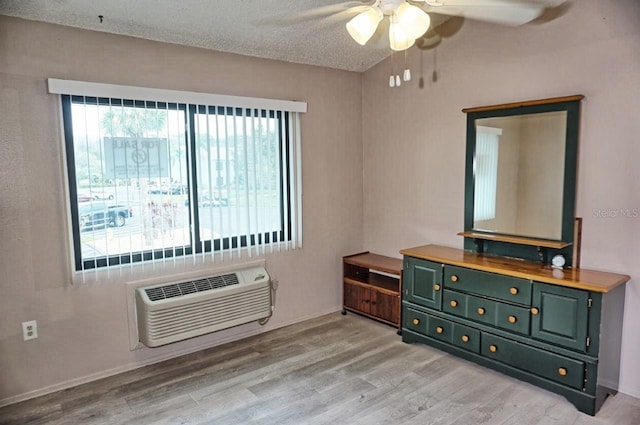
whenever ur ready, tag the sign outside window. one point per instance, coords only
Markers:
(127, 157)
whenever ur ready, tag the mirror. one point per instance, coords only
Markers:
(521, 170)
(519, 174)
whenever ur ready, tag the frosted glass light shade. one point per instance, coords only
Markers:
(413, 19)
(398, 38)
(362, 26)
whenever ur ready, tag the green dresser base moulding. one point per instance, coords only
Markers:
(558, 329)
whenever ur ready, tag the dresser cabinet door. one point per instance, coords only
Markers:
(559, 315)
(423, 282)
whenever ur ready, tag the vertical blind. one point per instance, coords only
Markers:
(153, 179)
(486, 172)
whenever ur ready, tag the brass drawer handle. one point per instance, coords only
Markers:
(436, 287)
(562, 371)
(465, 338)
(453, 303)
(535, 311)
(481, 311)
(454, 278)
(416, 321)
(493, 348)
(513, 291)
(513, 319)
(439, 330)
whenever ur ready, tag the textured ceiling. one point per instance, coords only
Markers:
(275, 29)
(303, 31)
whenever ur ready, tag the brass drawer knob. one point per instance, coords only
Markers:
(493, 348)
(481, 311)
(465, 338)
(535, 311)
(513, 319)
(513, 291)
(454, 278)
(416, 321)
(453, 303)
(436, 287)
(439, 330)
(562, 371)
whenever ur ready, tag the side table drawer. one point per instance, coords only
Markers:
(493, 285)
(564, 370)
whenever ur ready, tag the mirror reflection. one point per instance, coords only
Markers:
(519, 174)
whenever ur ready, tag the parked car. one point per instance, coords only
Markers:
(101, 214)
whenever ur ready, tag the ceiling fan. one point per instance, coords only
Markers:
(423, 23)
(410, 20)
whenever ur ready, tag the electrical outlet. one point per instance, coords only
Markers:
(30, 330)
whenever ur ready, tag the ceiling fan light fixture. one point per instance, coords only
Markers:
(362, 27)
(414, 20)
(398, 37)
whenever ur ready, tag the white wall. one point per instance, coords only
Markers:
(84, 328)
(414, 139)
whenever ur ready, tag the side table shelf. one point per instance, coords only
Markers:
(372, 285)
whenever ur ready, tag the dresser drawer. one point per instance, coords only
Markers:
(482, 310)
(440, 329)
(455, 303)
(466, 337)
(564, 370)
(493, 285)
(513, 318)
(415, 320)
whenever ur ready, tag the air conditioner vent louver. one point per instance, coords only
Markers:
(175, 311)
(183, 288)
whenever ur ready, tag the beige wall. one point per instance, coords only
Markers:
(414, 139)
(83, 328)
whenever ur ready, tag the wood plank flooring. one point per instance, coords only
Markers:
(331, 370)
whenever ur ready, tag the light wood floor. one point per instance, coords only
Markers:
(331, 370)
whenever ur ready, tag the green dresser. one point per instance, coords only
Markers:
(558, 329)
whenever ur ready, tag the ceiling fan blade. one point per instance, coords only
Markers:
(442, 27)
(428, 41)
(505, 12)
(342, 10)
(512, 15)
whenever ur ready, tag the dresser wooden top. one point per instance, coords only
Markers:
(589, 280)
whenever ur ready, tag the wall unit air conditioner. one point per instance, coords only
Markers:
(172, 312)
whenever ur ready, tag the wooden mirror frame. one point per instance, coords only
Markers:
(535, 249)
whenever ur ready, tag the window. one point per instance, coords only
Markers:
(486, 172)
(153, 179)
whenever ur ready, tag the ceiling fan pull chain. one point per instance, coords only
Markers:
(407, 73)
(392, 78)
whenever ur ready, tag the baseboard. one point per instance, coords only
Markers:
(633, 392)
(153, 360)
